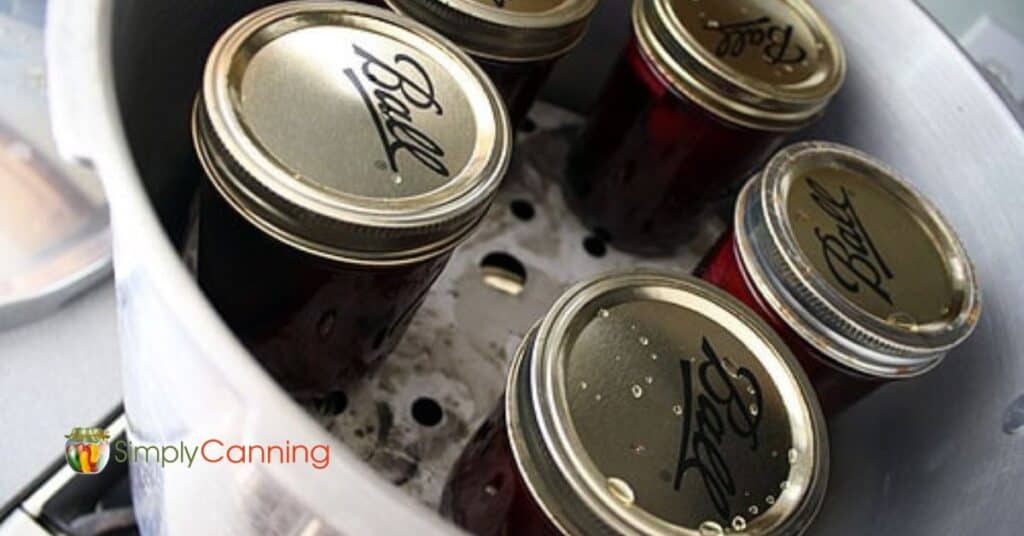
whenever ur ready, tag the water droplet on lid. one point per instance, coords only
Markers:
(751, 390)
(603, 313)
(583, 386)
(398, 179)
(490, 490)
(753, 510)
(753, 409)
(677, 409)
(637, 391)
(710, 528)
(903, 320)
(621, 490)
(632, 327)
(769, 500)
(649, 380)
(775, 454)
(788, 68)
(598, 397)
(739, 523)
(618, 358)
(712, 24)
(644, 341)
(638, 448)
(654, 357)
(702, 15)
(792, 455)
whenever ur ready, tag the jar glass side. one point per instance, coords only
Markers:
(519, 83)
(315, 324)
(485, 494)
(837, 389)
(650, 160)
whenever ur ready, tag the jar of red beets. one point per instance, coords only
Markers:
(858, 273)
(706, 91)
(347, 151)
(516, 41)
(646, 403)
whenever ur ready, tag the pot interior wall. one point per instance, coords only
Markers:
(159, 50)
(942, 455)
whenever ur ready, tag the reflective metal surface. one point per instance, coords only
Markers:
(854, 260)
(654, 404)
(764, 64)
(940, 456)
(54, 235)
(425, 145)
(506, 30)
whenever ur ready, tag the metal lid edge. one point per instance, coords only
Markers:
(521, 394)
(520, 37)
(689, 75)
(456, 226)
(849, 344)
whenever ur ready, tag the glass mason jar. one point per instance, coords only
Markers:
(706, 91)
(859, 274)
(347, 151)
(87, 450)
(646, 403)
(517, 42)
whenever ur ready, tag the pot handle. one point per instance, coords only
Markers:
(78, 42)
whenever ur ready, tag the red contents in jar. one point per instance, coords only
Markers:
(651, 160)
(314, 324)
(836, 389)
(486, 495)
(518, 82)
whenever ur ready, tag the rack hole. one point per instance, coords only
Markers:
(522, 209)
(504, 273)
(333, 404)
(427, 411)
(595, 246)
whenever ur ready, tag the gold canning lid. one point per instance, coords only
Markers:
(856, 261)
(764, 64)
(505, 30)
(650, 403)
(350, 132)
